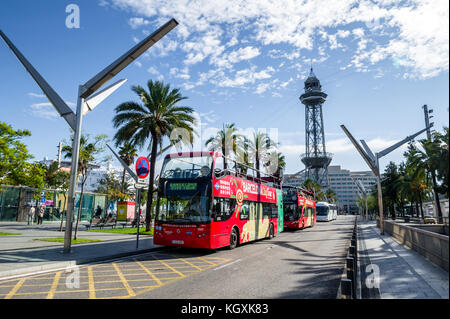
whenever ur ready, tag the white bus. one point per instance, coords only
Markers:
(326, 212)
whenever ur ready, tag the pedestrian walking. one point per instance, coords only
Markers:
(41, 215)
(31, 213)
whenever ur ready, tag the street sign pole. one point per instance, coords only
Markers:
(138, 214)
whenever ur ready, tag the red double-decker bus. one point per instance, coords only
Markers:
(299, 208)
(204, 203)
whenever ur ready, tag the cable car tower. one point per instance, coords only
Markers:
(316, 159)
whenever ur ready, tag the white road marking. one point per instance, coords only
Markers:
(226, 265)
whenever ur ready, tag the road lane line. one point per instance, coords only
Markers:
(51, 293)
(124, 281)
(190, 264)
(205, 260)
(14, 290)
(226, 265)
(149, 272)
(170, 267)
(91, 283)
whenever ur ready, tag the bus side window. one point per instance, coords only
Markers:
(274, 210)
(223, 208)
(245, 211)
(267, 210)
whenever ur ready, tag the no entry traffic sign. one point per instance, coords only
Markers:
(142, 167)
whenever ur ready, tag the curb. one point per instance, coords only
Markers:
(12, 274)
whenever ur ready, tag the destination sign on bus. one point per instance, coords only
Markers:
(182, 186)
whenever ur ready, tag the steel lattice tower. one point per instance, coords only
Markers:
(316, 159)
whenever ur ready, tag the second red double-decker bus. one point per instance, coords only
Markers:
(299, 208)
(203, 203)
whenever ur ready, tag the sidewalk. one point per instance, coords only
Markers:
(21, 254)
(403, 273)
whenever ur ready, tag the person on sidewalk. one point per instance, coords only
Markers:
(31, 213)
(41, 215)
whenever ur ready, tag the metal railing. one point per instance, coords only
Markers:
(348, 284)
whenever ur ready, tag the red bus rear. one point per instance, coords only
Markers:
(202, 204)
(299, 208)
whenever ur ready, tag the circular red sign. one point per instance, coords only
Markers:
(142, 167)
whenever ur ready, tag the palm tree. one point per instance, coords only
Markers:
(87, 154)
(311, 185)
(150, 121)
(226, 141)
(127, 153)
(243, 156)
(260, 147)
(276, 168)
(331, 195)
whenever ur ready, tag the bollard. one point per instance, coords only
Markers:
(352, 251)
(353, 243)
(351, 273)
(346, 289)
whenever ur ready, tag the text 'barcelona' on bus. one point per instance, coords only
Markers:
(203, 205)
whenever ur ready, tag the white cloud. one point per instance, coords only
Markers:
(36, 95)
(136, 23)
(414, 31)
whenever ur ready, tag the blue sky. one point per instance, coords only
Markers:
(240, 62)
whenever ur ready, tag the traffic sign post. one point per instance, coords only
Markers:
(142, 170)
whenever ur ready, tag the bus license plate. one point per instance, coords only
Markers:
(178, 242)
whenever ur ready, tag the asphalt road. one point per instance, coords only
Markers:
(295, 264)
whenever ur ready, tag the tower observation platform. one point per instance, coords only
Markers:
(316, 159)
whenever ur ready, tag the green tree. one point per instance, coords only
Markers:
(87, 156)
(127, 153)
(227, 141)
(113, 187)
(278, 166)
(150, 121)
(311, 185)
(260, 146)
(389, 187)
(14, 156)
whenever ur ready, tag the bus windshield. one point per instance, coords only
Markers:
(187, 167)
(322, 210)
(290, 212)
(184, 202)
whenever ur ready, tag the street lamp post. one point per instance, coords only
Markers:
(373, 161)
(86, 102)
(433, 173)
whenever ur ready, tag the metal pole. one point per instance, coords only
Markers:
(73, 175)
(367, 209)
(138, 215)
(433, 174)
(380, 197)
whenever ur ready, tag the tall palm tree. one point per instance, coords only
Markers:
(226, 140)
(278, 167)
(311, 185)
(243, 156)
(260, 147)
(150, 121)
(127, 153)
(87, 155)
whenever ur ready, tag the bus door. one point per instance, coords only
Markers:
(252, 221)
(280, 225)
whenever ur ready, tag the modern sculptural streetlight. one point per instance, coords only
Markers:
(87, 100)
(373, 162)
